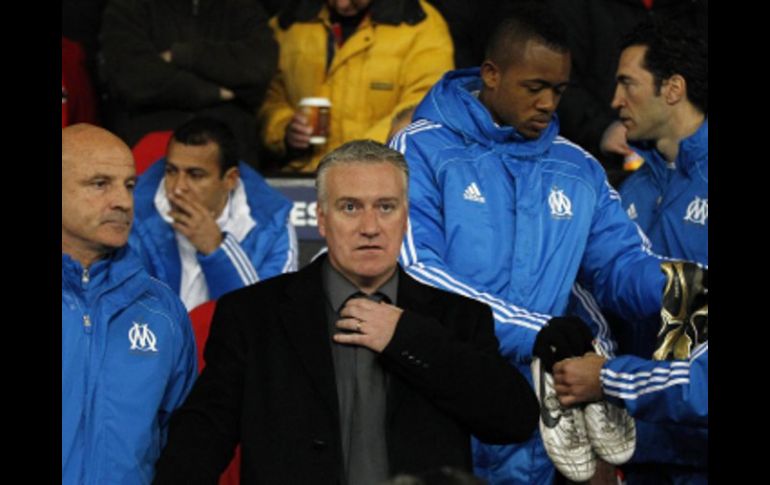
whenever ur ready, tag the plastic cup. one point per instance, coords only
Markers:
(316, 110)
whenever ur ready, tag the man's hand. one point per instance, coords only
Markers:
(576, 380)
(166, 55)
(373, 323)
(614, 139)
(195, 222)
(225, 94)
(298, 132)
(560, 338)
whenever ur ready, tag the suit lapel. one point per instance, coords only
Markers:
(413, 295)
(303, 315)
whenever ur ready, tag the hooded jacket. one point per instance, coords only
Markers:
(670, 204)
(514, 223)
(385, 67)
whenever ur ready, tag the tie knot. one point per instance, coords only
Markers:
(375, 297)
(378, 297)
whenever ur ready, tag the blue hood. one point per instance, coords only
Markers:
(457, 103)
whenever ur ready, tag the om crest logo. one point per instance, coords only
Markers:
(697, 211)
(561, 206)
(142, 338)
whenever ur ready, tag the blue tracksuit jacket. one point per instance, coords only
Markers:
(128, 360)
(268, 249)
(514, 222)
(668, 399)
(671, 204)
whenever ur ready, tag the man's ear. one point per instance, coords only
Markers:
(231, 177)
(675, 89)
(490, 74)
(320, 215)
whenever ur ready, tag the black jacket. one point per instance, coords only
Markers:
(214, 43)
(269, 383)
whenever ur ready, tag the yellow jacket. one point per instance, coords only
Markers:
(378, 72)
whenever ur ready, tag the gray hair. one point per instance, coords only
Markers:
(359, 151)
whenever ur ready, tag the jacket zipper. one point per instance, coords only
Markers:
(87, 398)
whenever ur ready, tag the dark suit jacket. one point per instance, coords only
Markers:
(269, 383)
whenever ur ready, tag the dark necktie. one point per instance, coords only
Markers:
(368, 458)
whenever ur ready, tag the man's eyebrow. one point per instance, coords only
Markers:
(345, 198)
(169, 163)
(99, 175)
(547, 84)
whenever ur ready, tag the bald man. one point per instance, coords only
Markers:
(128, 355)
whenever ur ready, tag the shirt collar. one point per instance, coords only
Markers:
(339, 289)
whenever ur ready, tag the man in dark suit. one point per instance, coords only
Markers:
(348, 371)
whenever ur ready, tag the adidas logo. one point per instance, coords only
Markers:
(632, 211)
(473, 194)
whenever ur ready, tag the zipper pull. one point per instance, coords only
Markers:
(86, 277)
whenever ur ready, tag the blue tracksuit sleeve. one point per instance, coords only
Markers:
(673, 391)
(617, 267)
(423, 256)
(282, 255)
(583, 305)
(261, 255)
(228, 268)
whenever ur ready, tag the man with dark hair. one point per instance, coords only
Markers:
(662, 101)
(661, 97)
(127, 351)
(348, 371)
(505, 211)
(595, 29)
(207, 224)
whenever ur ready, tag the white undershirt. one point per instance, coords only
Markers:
(235, 219)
